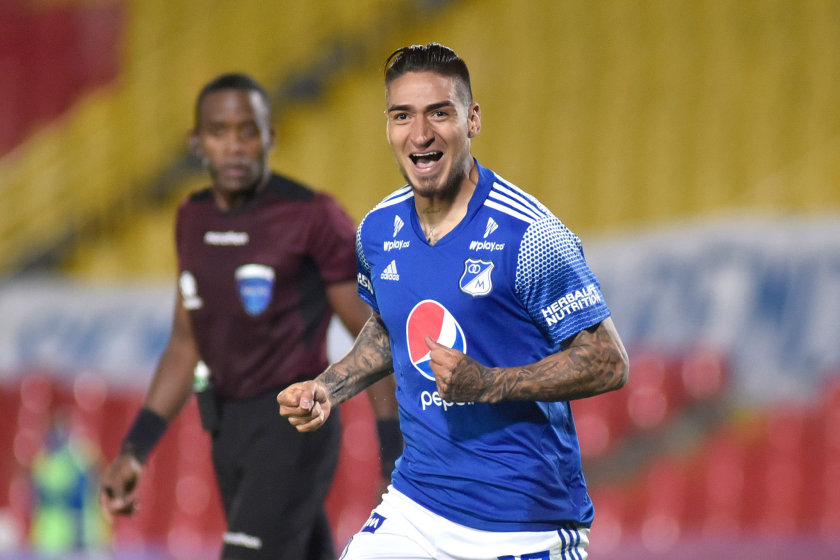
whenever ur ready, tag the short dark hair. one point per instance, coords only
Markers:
(433, 57)
(233, 80)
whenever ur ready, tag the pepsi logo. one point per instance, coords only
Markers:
(431, 318)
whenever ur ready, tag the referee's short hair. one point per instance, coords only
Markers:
(233, 80)
(433, 57)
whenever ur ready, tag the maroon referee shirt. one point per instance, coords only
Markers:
(254, 279)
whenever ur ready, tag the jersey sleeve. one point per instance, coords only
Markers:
(365, 283)
(179, 232)
(331, 241)
(554, 283)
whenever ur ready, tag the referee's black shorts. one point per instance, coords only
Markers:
(273, 481)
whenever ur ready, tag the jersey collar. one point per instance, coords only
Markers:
(482, 190)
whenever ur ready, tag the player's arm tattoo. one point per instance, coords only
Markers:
(592, 362)
(368, 361)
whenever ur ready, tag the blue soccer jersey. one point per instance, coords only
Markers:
(506, 287)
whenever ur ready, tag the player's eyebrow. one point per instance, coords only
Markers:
(428, 108)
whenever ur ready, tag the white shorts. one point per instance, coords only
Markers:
(401, 529)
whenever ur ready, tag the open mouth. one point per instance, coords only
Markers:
(426, 159)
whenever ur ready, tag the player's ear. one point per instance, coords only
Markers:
(474, 120)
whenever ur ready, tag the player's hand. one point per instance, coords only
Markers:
(118, 495)
(459, 378)
(306, 405)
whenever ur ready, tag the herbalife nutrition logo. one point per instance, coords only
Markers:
(390, 272)
(491, 227)
(398, 224)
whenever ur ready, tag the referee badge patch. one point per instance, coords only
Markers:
(477, 280)
(256, 284)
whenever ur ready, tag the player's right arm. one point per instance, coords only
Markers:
(307, 405)
(169, 391)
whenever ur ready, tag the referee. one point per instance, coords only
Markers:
(263, 264)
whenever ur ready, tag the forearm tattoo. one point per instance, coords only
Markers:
(594, 362)
(368, 361)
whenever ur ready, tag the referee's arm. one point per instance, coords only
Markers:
(169, 391)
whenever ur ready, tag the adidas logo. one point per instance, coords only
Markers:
(390, 272)
(398, 224)
(491, 227)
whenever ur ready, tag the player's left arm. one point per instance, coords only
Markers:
(591, 362)
(550, 267)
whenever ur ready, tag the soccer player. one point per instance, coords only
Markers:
(492, 321)
(263, 263)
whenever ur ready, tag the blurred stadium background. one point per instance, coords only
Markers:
(694, 146)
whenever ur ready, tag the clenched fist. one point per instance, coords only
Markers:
(306, 405)
(459, 378)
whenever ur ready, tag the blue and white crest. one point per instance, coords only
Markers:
(255, 283)
(476, 279)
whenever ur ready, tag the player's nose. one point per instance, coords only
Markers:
(422, 134)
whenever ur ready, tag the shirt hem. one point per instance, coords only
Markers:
(484, 525)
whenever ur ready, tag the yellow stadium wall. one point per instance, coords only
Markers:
(116, 140)
(616, 114)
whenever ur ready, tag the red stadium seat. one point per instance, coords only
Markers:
(702, 374)
(722, 478)
(598, 421)
(609, 525)
(647, 399)
(782, 476)
(664, 484)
